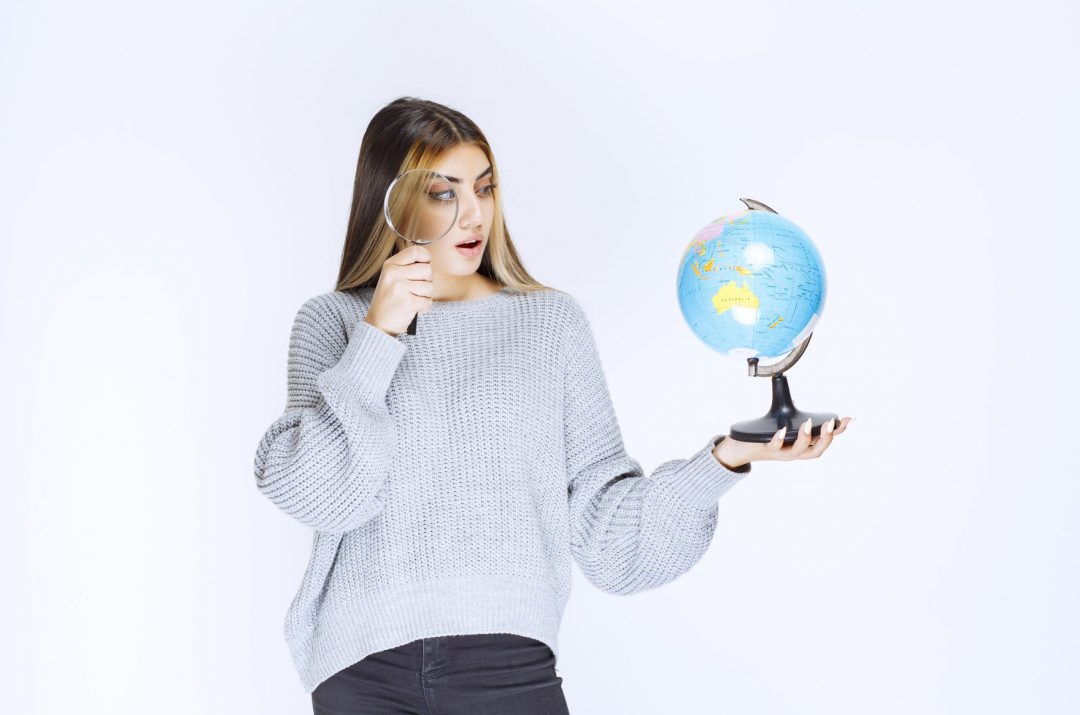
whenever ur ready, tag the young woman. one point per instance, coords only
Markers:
(451, 475)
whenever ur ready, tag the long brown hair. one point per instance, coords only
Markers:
(412, 133)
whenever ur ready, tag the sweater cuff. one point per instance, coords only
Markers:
(702, 479)
(366, 367)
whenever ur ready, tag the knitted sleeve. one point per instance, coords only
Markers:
(325, 460)
(629, 532)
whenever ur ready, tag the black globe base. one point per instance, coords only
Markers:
(782, 413)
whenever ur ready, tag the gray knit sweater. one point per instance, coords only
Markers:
(450, 476)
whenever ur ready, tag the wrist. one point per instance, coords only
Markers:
(379, 327)
(722, 453)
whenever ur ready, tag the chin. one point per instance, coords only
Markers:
(463, 266)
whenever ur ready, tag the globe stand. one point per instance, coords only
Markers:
(782, 412)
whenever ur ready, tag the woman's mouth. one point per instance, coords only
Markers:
(471, 248)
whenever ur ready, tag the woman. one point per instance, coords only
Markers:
(451, 475)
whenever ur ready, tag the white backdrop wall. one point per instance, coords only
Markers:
(175, 181)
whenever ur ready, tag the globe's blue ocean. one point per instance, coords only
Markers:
(751, 284)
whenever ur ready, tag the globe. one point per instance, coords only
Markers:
(751, 284)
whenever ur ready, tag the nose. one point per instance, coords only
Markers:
(469, 208)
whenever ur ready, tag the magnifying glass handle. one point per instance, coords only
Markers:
(412, 325)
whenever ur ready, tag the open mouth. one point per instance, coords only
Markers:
(470, 244)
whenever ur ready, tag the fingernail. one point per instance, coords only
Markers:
(806, 425)
(780, 433)
(828, 426)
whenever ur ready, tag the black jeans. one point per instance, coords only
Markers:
(484, 674)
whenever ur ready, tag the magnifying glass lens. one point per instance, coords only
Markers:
(421, 206)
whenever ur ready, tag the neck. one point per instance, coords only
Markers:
(455, 288)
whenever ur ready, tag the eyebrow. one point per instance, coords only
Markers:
(456, 180)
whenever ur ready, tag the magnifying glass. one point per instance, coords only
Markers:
(420, 206)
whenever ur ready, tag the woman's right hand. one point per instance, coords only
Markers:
(404, 290)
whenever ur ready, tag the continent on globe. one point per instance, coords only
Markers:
(741, 301)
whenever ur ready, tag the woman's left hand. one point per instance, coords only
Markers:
(733, 454)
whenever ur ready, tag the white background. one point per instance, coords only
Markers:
(175, 182)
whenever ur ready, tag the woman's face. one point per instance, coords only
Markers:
(468, 169)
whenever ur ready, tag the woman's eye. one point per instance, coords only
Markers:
(486, 189)
(447, 195)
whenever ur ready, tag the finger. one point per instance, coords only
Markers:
(843, 425)
(422, 288)
(803, 441)
(823, 441)
(417, 271)
(777, 442)
(411, 254)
